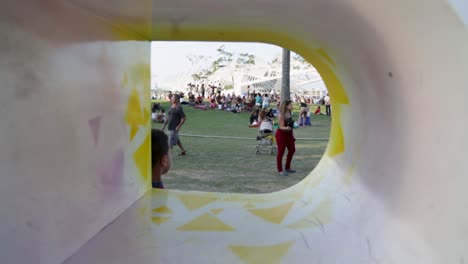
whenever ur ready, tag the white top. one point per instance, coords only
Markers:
(266, 100)
(327, 100)
(266, 125)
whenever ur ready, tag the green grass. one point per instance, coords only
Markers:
(231, 165)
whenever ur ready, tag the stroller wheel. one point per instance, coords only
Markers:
(273, 151)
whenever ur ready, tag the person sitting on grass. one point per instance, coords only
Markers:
(199, 101)
(160, 157)
(270, 114)
(254, 118)
(161, 117)
(213, 103)
(191, 99)
(240, 103)
(318, 111)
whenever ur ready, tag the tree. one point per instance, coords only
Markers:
(223, 58)
(285, 81)
(302, 63)
(245, 59)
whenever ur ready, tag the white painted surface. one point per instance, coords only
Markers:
(59, 186)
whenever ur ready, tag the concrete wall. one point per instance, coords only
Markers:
(74, 144)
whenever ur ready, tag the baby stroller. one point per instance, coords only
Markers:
(266, 139)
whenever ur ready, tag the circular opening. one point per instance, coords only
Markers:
(223, 153)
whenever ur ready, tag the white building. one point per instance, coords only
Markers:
(262, 77)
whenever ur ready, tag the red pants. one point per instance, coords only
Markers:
(284, 140)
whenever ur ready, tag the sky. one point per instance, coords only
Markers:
(461, 7)
(170, 57)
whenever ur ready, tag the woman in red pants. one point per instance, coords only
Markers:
(285, 138)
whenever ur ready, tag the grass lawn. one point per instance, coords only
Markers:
(231, 165)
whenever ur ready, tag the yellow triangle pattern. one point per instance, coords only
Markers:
(264, 254)
(206, 222)
(193, 202)
(320, 216)
(217, 211)
(159, 220)
(162, 210)
(273, 214)
(249, 206)
(134, 116)
(142, 158)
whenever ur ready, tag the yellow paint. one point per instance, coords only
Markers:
(133, 116)
(243, 198)
(146, 114)
(320, 216)
(162, 210)
(142, 211)
(159, 220)
(159, 193)
(125, 80)
(193, 202)
(249, 206)
(136, 28)
(129, 31)
(206, 222)
(140, 75)
(217, 211)
(273, 214)
(349, 175)
(142, 158)
(336, 144)
(262, 254)
(325, 55)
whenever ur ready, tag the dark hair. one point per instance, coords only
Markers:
(159, 145)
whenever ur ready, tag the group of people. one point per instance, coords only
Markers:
(162, 144)
(204, 92)
(261, 117)
(230, 102)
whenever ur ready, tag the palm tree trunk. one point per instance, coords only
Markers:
(285, 89)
